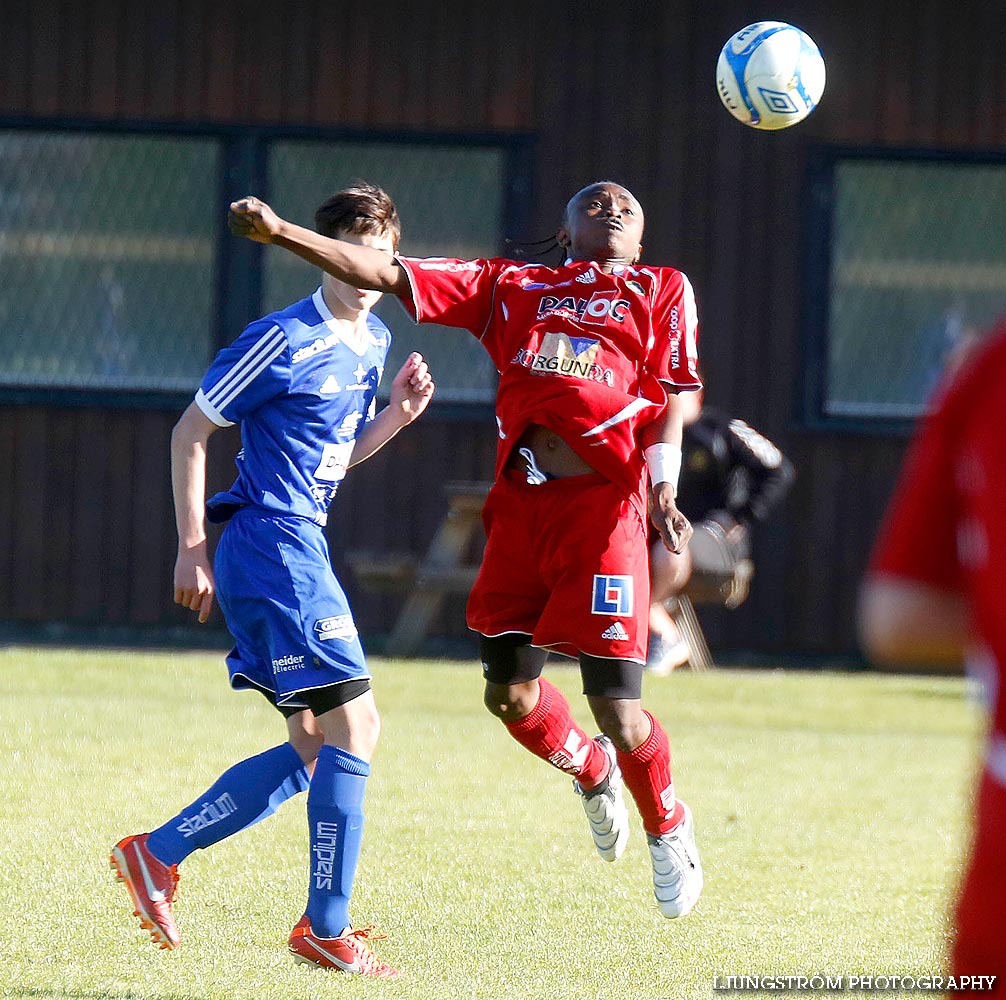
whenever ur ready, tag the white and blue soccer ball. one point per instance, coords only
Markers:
(770, 75)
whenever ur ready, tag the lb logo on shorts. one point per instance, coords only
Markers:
(337, 627)
(612, 595)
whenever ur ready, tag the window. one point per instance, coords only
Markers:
(915, 258)
(450, 199)
(121, 281)
(108, 251)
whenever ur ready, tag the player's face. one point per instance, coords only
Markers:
(346, 301)
(603, 222)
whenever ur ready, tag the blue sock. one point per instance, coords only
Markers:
(335, 817)
(244, 794)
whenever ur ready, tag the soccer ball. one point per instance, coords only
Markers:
(770, 75)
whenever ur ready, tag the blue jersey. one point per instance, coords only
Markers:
(301, 393)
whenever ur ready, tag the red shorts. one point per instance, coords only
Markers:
(565, 561)
(980, 932)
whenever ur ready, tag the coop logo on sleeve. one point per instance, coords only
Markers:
(337, 627)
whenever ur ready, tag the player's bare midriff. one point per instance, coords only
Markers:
(552, 455)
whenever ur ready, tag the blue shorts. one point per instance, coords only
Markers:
(292, 627)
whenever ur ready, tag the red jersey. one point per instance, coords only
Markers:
(578, 351)
(947, 523)
(947, 528)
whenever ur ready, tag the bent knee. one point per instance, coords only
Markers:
(308, 748)
(510, 702)
(305, 737)
(626, 726)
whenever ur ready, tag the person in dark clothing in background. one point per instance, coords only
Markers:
(731, 478)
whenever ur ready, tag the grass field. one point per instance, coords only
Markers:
(829, 810)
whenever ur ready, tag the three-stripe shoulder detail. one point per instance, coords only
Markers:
(251, 364)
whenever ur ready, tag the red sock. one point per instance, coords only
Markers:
(647, 774)
(549, 732)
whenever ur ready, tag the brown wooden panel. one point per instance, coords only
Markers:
(506, 90)
(223, 65)
(58, 500)
(45, 35)
(299, 64)
(167, 52)
(73, 59)
(89, 567)
(28, 482)
(9, 523)
(123, 513)
(326, 96)
(15, 56)
(152, 524)
(190, 92)
(987, 65)
(104, 47)
(263, 77)
(361, 64)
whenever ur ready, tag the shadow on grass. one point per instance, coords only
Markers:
(29, 991)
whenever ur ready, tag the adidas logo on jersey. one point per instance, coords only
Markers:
(615, 631)
(587, 278)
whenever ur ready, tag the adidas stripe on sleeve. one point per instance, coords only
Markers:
(244, 375)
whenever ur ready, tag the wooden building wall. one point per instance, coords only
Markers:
(623, 91)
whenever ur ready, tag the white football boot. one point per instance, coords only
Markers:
(605, 807)
(677, 870)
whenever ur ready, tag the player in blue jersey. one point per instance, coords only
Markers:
(302, 384)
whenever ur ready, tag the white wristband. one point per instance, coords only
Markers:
(664, 462)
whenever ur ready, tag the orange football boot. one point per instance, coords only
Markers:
(151, 886)
(350, 951)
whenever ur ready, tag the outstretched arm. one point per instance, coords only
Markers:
(411, 392)
(361, 266)
(193, 582)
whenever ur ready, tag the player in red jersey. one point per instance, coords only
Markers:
(591, 356)
(934, 593)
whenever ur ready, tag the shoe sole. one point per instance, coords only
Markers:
(683, 912)
(336, 964)
(300, 959)
(325, 960)
(120, 866)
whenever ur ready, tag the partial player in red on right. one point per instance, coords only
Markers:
(934, 594)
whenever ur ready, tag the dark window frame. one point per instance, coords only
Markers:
(822, 165)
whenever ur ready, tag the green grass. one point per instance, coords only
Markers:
(830, 810)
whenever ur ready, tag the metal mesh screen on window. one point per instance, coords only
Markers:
(450, 202)
(107, 244)
(918, 259)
